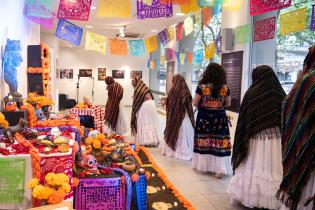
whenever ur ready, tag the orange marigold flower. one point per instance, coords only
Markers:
(135, 177)
(76, 182)
(56, 197)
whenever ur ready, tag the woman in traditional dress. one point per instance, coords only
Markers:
(212, 146)
(298, 141)
(144, 116)
(115, 117)
(256, 157)
(179, 131)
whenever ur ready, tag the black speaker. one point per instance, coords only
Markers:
(34, 56)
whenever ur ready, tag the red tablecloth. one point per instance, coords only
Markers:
(97, 112)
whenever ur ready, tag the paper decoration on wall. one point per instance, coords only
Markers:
(313, 18)
(198, 57)
(210, 50)
(155, 10)
(243, 34)
(39, 8)
(171, 33)
(182, 57)
(265, 29)
(189, 57)
(151, 44)
(95, 42)
(191, 7)
(259, 7)
(179, 31)
(179, 2)
(45, 22)
(136, 47)
(206, 3)
(163, 36)
(232, 4)
(198, 19)
(114, 8)
(69, 32)
(294, 21)
(206, 14)
(188, 25)
(118, 47)
(74, 10)
(162, 60)
(170, 54)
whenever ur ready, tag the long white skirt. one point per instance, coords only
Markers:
(122, 126)
(148, 124)
(257, 179)
(185, 142)
(308, 191)
(211, 163)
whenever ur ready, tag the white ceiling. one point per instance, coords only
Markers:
(109, 27)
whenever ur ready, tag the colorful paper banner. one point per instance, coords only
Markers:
(162, 60)
(182, 57)
(118, 47)
(188, 25)
(191, 7)
(198, 19)
(243, 34)
(179, 31)
(265, 29)
(95, 42)
(69, 32)
(74, 10)
(206, 3)
(189, 57)
(313, 18)
(151, 44)
(155, 10)
(294, 21)
(153, 64)
(206, 14)
(198, 57)
(45, 22)
(259, 7)
(163, 36)
(114, 9)
(232, 4)
(39, 8)
(210, 50)
(171, 33)
(136, 47)
(170, 54)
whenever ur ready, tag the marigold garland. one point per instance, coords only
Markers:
(3, 122)
(161, 174)
(30, 114)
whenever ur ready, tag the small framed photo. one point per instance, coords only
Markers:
(118, 74)
(85, 72)
(101, 74)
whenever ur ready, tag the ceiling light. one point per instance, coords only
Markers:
(88, 26)
(154, 30)
(92, 7)
(180, 14)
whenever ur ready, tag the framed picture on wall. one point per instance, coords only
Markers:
(101, 74)
(233, 65)
(170, 69)
(85, 72)
(66, 73)
(134, 74)
(118, 74)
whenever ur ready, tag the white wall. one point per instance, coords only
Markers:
(14, 25)
(78, 58)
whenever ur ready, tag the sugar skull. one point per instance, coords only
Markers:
(40, 114)
(90, 164)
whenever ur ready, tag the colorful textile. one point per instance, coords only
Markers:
(136, 47)
(115, 94)
(260, 110)
(212, 135)
(12, 179)
(95, 42)
(114, 9)
(198, 57)
(118, 47)
(313, 18)
(151, 44)
(298, 136)
(163, 36)
(69, 32)
(179, 101)
(74, 10)
(265, 29)
(140, 92)
(188, 25)
(206, 15)
(96, 112)
(39, 8)
(294, 21)
(258, 7)
(179, 31)
(191, 7)
(243, 34)
(155, 10)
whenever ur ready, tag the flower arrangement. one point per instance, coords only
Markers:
(3, 123)
(85, 104)
(54, 189)
(30, 114)
(35, 99)
(96, 142)
(11, 106)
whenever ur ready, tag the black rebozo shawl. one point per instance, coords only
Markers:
(260, 110)
(178, 102)
(115, 94)
(140, 91)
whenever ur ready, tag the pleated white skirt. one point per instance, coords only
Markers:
(211, 163)
(122, 126)
(147, 124)
(257, 179)
(185, 142)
